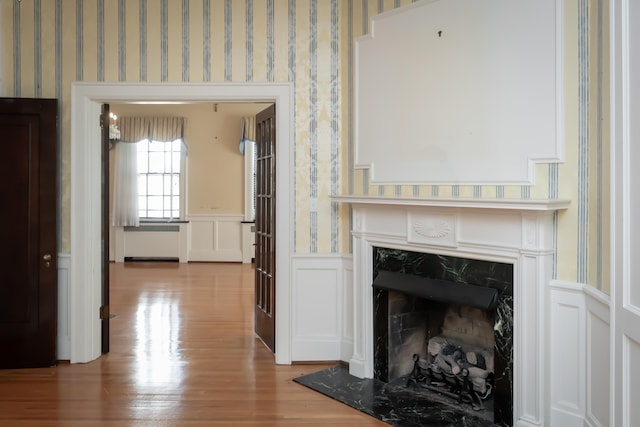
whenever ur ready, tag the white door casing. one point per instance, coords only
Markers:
(84, 276)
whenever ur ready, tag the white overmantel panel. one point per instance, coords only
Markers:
(460, 92)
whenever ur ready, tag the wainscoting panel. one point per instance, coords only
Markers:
(567, 355)
(64, 340)
(579, 355)
(319, 311)
(598, 336)
(215, 238)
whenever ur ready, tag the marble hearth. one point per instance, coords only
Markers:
(520, 233)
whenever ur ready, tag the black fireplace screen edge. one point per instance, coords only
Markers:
(438, 290)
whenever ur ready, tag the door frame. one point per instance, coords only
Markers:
(86, 214)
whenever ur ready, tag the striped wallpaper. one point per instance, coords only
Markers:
(47, 44)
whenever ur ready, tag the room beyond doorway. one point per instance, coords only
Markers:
(85, 199)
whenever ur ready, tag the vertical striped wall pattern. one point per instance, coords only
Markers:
(270, 41)
(313, 126)
(599, 197)
(228, 45)
(79, 39)
(583, 141)
(335, 124)
(37, 50)
(292, 75)
(17, 60)
(185, 40)
(122, 40)
(249, 42)
(206, 41)
(164, 41)
(307, 43)
(58, 95)
(100, 41)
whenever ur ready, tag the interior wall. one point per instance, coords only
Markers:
(49, 44)
(215, 170)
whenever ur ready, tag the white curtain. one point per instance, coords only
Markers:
(134, 129)
(247, 134)
(125, 185)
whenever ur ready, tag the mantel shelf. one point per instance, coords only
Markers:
(458, 203)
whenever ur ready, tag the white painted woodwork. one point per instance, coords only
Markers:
(321, 321)
(86, 214)
(151, 243)
(598, 357)
(460, 91)
(215, 238)
(516, 232)
(625, 228)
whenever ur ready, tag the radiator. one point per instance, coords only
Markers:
(151, 242)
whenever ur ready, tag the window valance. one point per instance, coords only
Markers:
(134, 129)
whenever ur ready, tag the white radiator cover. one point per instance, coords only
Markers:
(151, 240)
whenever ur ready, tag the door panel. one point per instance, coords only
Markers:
(28, 254)
(625, 153)
(104, 309)
(265, 288)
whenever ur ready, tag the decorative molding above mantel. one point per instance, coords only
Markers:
(540, 205)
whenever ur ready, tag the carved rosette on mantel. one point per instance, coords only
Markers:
(520, 232)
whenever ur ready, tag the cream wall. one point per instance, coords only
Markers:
(309, 43)
(215, 171)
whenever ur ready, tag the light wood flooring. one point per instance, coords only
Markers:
(183, 353)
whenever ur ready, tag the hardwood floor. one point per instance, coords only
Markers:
(183, 353)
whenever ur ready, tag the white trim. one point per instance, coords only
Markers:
(522, 237)
(84, 287)
(444, 202)
(63, 340)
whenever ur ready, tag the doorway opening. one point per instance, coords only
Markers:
(202, 177)
(86, 215)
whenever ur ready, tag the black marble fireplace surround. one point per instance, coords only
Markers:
(480, 284)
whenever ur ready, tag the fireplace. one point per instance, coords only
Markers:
(443, 330)
(516, 233)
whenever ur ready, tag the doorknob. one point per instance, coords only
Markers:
(47, 260)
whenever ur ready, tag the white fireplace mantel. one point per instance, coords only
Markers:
(519, 232)
(501, 204)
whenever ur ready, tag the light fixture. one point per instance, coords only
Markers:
(114, 131)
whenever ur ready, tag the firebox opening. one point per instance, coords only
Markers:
(448, 341)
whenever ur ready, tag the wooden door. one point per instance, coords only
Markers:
(265, 287)
(104, 308)
(29, 232)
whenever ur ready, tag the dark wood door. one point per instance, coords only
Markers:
(104, 308)
(29, 235)
(265, 309)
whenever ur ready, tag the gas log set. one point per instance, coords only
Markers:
(455, 369)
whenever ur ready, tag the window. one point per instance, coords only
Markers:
(160, 180)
